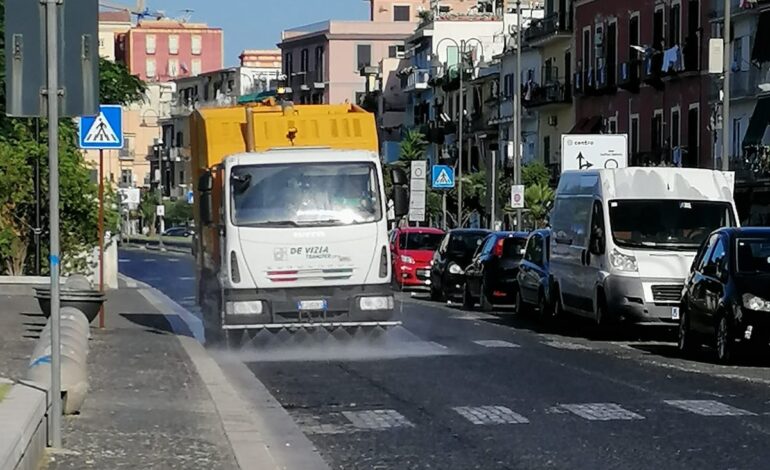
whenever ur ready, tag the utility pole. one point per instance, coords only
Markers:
(460, 140)
(493, 202)
(726, 90)
(52, 98)
(517, 110)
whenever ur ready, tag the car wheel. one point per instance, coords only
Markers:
(519, 304)
(542, 306)
(468, 302)
(686, 342)
(558, 307)
(724, 341)
(435, 294)
(484, 302)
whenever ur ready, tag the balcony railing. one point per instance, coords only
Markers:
(417, 79)
(555, 91)
(744, 83)
(550, 25)
(628, 75)
(652, 69)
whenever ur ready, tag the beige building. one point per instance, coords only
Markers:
(409, 10)
(112, 24)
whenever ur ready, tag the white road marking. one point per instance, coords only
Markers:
(601, 411)
(377, 419)
(709, 408)
(495, 343)
(172, 260)
(490, 415)
(187, 278)
(568, 345)
(438, 345)
(150, 260)
(124, 260)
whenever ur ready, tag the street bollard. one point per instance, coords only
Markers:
(74, 351)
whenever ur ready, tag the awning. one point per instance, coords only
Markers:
(589, 125)
(760, 52)
(758, 122)
(256, 97)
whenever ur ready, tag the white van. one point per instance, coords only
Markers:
(623, 239)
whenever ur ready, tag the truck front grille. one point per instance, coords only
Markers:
(667, 293)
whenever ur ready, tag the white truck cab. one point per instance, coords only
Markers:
(623, 239)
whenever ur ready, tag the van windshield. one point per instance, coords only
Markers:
(667, 224)
(303, 194)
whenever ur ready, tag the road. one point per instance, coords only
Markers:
(466, 390)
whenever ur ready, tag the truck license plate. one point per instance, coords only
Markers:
(675, 313)
(311, 305)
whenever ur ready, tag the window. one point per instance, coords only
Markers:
(534, 253)
(179, 139)
(173, 44)
(612, 125)
(126, 177)
(657, 28)
(597, 229)
(196, 67)
(304, 60)
(657, 130)
(288, 64)
(508, 85)
(401, 13)
(704, 255)
(320, 66)
(173, 67)
(149, 45)
(737, 64)
(419, 241)
(359, 97)
(196, 44)
(676, 130)
(718, 258)
(735, 147)
(587, 48)
(547, 149)
(452, 56)
(693, 136)
(396, 51)
(633, 34)
(633, 135)
(753, 255)
(674, 25)
(149, 67)
(363, 56)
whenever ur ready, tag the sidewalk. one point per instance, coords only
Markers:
(147, 406)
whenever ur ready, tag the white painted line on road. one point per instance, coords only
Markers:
(463, 315)
(377, 419)
(172, 260)
(568, 345)
(708, 408)
(495, 343)
(150, 260)
(187, 278)
(438, 345)
(490, 415)
(601, 411)
(124, 260)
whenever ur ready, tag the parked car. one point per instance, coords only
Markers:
(454, 254)
(177, 232)
(412, 250)
(534, 278)
(726, 300)
(490, 279)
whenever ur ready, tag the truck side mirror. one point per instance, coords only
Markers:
(400, 200)
(399, 177)
(205, 200)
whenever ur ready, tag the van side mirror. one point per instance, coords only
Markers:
(596, 244)
(205, 200)
(398, 175)
(400, 200)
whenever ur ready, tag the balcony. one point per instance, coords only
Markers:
(652, 70)
(605, 79)
(416, 79)
(554, 90)
(744, 84)
(578, 86)
(628, 75)
(542, 31)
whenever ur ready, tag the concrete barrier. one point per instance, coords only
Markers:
(75, 332)
(23, 427)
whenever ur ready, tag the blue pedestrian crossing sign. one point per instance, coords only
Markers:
(443, 177)
(103, 131)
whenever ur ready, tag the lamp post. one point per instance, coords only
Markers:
(726, 89)
(462, 49)
(517, 111)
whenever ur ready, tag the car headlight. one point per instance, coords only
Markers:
(244, 308)
(376, 303)
(407, 259)
(623, 262)
(455, 269)
(758, 304)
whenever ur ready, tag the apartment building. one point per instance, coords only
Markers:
(112, 26)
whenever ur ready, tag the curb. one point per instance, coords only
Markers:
(261, 433)
(23, 415)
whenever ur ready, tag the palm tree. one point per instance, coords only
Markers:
(538, 199)
(413, 147)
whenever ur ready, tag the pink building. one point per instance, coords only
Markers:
(323, 61)
(408, 10)
(159, 51)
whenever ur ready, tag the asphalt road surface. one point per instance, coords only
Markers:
(465, 390)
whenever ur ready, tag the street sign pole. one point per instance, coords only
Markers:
(52, 96)
(443, 210)
(101, 234)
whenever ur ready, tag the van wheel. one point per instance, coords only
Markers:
(602, 315)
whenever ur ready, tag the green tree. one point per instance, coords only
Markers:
(117, 85)
(148, 207)
(538, 199)
(178, 213)
(535, 173)
(413, 147)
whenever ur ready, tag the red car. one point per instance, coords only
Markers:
(412, 251)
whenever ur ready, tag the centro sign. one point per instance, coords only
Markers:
(599, 151)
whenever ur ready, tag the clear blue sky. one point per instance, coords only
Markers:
(257, 24)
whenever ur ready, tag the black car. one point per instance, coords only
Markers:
(534, 279)
(491, 277)
(726, 299)
(177, 232)
(454, 254)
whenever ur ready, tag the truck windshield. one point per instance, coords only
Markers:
(305, 194)
(666, 224)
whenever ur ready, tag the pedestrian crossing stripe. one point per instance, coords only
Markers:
(443, 178)
(101, 132)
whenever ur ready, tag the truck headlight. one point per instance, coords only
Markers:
(407, 259)
(376, 303)
(244, 308)
(454, 268)
(623, 262)
(758, 304)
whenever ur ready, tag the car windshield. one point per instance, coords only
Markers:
(466, 242)
(299, 194)
(513, 248)
(753, 255)
(666, 224)
(419, 241)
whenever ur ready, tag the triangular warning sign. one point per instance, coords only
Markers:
(443, 178)
(101, 132)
